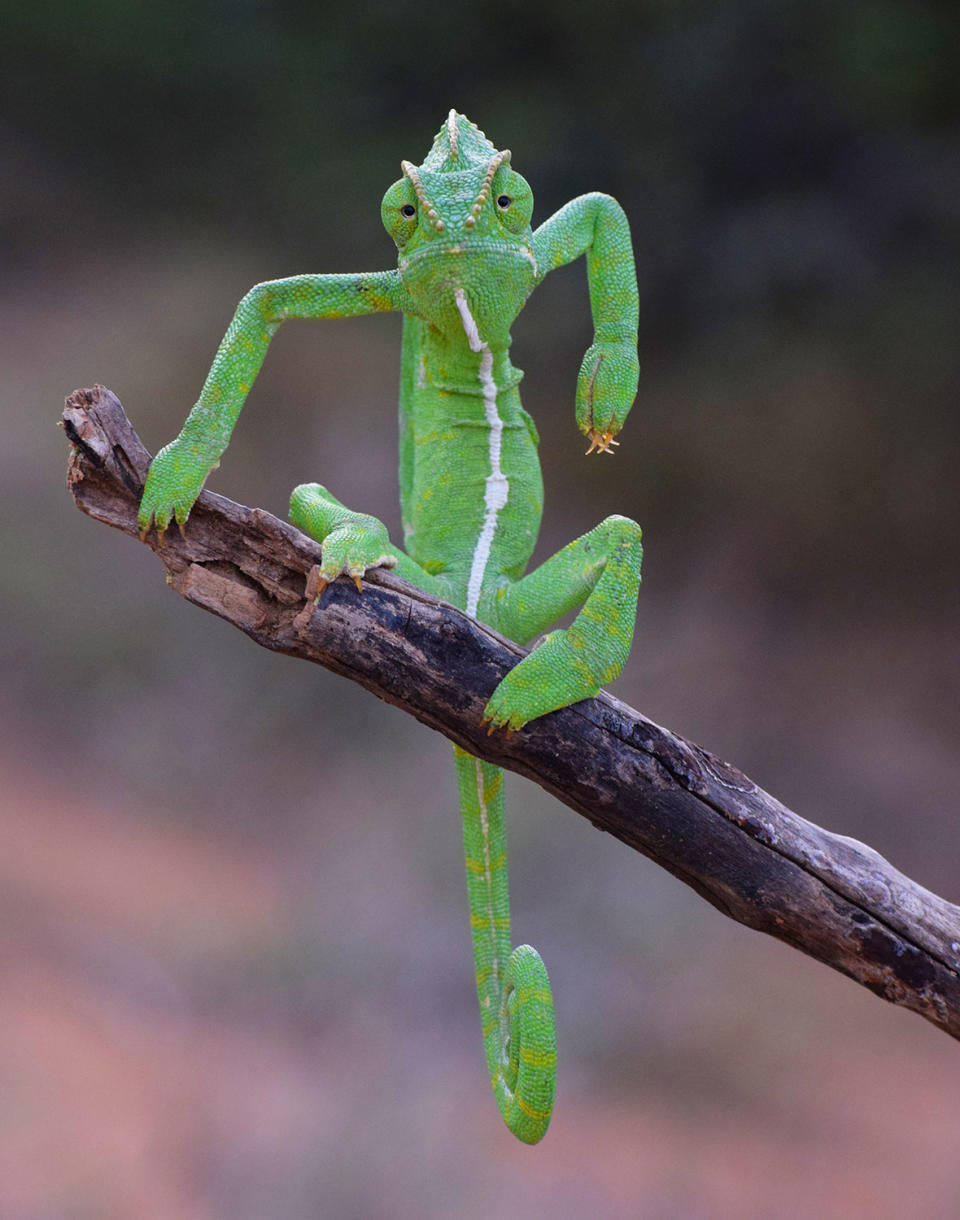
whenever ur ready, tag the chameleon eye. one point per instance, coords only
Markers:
(408, 210)
(503, 201)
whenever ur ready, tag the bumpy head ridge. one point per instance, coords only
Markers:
(458, 145)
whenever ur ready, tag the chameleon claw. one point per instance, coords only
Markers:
(601, 441)
(315, 585)
(499, 726)
(357, 581)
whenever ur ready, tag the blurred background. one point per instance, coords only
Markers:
(236, 972)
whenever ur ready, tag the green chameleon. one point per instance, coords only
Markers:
(471, 495)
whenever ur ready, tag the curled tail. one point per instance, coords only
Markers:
(516, 1006)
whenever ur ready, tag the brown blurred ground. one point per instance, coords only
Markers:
(235, 955)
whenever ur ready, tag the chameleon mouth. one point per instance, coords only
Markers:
(467, 246)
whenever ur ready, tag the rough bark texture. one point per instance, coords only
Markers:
(700, 818)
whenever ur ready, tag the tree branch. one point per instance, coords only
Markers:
(701, 819)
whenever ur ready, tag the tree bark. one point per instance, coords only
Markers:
(700, 818)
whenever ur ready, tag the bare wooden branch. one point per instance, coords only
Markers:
(704, 821)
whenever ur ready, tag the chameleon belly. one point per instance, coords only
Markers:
(496, 485)
(473, 489)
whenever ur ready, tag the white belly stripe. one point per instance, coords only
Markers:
(497, 487)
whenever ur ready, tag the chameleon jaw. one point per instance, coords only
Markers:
(603, 442)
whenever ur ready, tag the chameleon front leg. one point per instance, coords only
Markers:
(601, 570)
(352, 542)
(595, 225)
(180, 469)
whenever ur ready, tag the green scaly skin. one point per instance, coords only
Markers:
(471, 495)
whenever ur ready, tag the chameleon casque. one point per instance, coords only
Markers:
(471, 496)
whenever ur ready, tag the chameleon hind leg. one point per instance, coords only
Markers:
(352, 542)
(601, 571)
(516, 1005)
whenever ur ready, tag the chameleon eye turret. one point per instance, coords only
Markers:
(471, 496)
(426, 207)
(398, 210)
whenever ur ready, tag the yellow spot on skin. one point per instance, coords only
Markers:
(537, 1058)
(526, 994)
(477, 866)
(539, 1116)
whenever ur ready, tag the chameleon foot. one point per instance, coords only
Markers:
(553, 675)
(174, 480)
(352, 542)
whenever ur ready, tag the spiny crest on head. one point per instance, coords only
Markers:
(458, 145)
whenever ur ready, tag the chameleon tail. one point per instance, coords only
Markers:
(516, 1006)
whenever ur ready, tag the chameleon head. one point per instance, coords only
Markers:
(462, 220)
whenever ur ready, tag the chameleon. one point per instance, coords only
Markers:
(471, 495)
